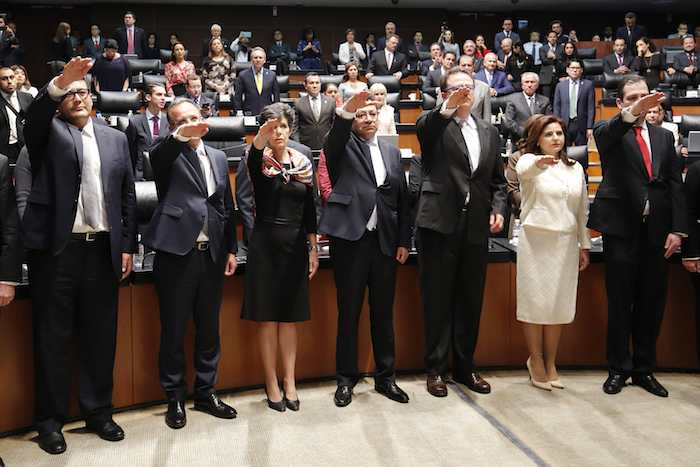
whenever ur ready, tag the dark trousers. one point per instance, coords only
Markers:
(695, 279)
(359, 265)
(75, 290)
(13, 152)
(636, 278)
(576, 132)
(188, 286)
(452, 274)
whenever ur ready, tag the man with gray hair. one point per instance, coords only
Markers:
(215, 33)
(257, 86)
(522, 105)
(481, 107)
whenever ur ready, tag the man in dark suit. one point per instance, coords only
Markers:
(435, 60)
(496, 79)
(193, 92)
(79, 228)
(506, 32)
(389, 30)
(688, 62)
(620, 61)
(10, 253)
(431, 83)
(557, 27)
(193, 233)
(280, 53)
(462, 198)
(640, 210)
(631, 32)
(131, 39)
(549, 53)
(147, 127)
(574, 102)
(367, 220)
(415, 48)
(388, 61)
(214, 33)
(522, 105)
(315, 114)
(691, 244)
(257, 86)
(95, 44)
(13, 107)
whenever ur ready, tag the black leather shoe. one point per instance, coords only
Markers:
(474, 381)
(213, 406)
(53, 442)
(291, 405)
(343, 396)
(107, 430)
(614, 383)
(279, 406)
(392, 391)
(651, 385)
(176, 417)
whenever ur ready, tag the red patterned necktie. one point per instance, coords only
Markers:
(645, 150)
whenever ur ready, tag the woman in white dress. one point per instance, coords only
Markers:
(386, 123)
(553, 244)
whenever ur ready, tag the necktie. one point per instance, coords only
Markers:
(573, 111)
(644, 149)
(691, 59)
(156, 126)
(97, 44)
(130, 41)
(531, 103)
(315, 107)
(351, 48)
(389, 60)
(90, 186)
(258, 82)
(619, 60)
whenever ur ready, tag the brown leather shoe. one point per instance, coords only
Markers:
(474, 382)
(437, 386)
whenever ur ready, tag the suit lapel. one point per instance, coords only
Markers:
(384, 148)
(631, 140)
(456, 133)
(656, 142)
(483, 142)
(105, 160)
(214, 167)
(146, 128)
(78, 143)
(365, 156)
(191, 159)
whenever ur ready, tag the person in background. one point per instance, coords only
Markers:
(280, 53)
(608, 35)
(687, 62)
(152, 50)
(60, 47)
(648, 63)
(131, 38)
(386, 114)
(681, 31)
(350, 51)
(14, 106)
(620, 61)
(146, 128)
(532, 48)
(218, 73)
(22, 80)
(95, 44)
(309, 51)
(548, 57)
(553, 245)
(315, 113)
(193, 92)
(415, 48)
(574, 103)
(506, 32)
(655, 116)
(448, 43)
(494, 78)
(387, 61)
(469, 50)
(568, 53)
(389, 30)
(595, 38)
(481, 49)
(331, 90)
(435, 60)
(431, 83)
(282, 250)
(257, 86)
(240, 48)
(173, 39)
(690, 252)
(573, 37)
(556, 26)
(521, 106)
(111, 72)
(10, 247)
(631, 32)
(177, 71)
(505, 52)
(518, 63)
(214, 33)
(370, 48)
(481, 106)
(351, 83)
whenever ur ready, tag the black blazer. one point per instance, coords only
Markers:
(313, 133)
(691, 244)
(619, 202)
(432, 81)
(183, 202)
(25, 100)
(91, 50)
(355, 191)
(140, 40)
(446, 180)
(10, 252)
(681, 61)
(377, 64)
(547, 71)
(637, 33)
(139, 135)
(610, 62)
(247, 98)
(56, 152)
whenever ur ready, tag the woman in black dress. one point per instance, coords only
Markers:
(568, 53)
(648, 62)
(518, 63)
(282, 253)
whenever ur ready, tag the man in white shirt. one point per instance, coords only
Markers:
(13, 107)
(532, 48)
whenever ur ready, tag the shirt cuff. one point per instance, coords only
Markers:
(445, 112)
(681, 234)
(344, 114)
(55, 92)
(627, 115)
(177, 136)
(691, 259)
(14, 284)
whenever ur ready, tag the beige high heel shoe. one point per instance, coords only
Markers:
(546, 385)
(557, 384)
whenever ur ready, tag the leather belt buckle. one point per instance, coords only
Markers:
(90, 236)
(202, 246)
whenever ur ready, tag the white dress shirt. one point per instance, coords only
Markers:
(470, 134)
(208, 172)
(533, 49)
(389, 59)
(11, 117)
(379, 175)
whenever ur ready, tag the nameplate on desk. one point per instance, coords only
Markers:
(273, 67)
(691, 93)
(406, 153)
(341, 67)
(112, 120)
(249, 120)
(224, 97)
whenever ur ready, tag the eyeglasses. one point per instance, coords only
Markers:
(457, 88)
(81, 93)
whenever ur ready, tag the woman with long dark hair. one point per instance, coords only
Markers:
(648, 62)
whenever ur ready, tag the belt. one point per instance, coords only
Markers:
(90, 236)
(201, 246)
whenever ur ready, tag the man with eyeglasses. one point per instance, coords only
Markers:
(367, 220)
(80, 231)
(574, 102)
(12, 113)
(462, 199)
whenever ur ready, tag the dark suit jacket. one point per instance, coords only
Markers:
(25, 100)
(620, 199)
(140, 40)
(313, 133)
(279, 52)
(91, 50)
(247, 98)
(499, 82)
(355, 191)
(585, 103)
(432, 81)
(517, 111)
(681, 61)
(691, 244)
(378, 66)
(56, 152)
(139, 135)
(637, 33)
(446, 180)
(183, 203)
(547, 69)
(381, 44)
(205, 100)
(500, 36)
(10, 251)
(412, 51)
(610, 62)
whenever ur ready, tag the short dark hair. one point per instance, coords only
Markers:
(311, 74)
(627, 81)
(688, 36)
(193, 77)
(553, 22)
(279, 110)
(129, 12)
(451, 52)
(350, 30)
(111, 44)
(151, 88)
(176, 103)
(452, 71)
(631, 15)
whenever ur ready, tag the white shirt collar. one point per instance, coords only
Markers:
(373, 141)
(149, 115)
(89, 129)
(469, 121)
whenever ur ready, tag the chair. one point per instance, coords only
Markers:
(677, 80)
(579, 154)
(138, 65)
(335, 79)
(422, 56)
(150, 80)
(283, 85)
(146, 201)
(593, 68)
(393, 99)
(240, 66)
(670, 51)
(586, 54)
(391, 83)
(428, 102)
(118, 102)
(166, 55)
(227, 134)
(610, 83)
(689, 123)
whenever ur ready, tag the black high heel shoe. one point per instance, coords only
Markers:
(291, 405)
(278, 406)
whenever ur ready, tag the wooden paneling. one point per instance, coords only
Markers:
(409, 140)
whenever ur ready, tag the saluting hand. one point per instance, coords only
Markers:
(646, 103)
(193, 130)
(544, 161)
(265, 133)
(458, 97)
(74, 70)
(357, 101)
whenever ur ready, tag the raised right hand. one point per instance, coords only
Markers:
(458, 97)
(543, 161)
(357, 101)
(193, 130)
(265, 133)
(74, 70)
(646, 103)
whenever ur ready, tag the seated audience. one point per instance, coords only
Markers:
(315, 113)
(177, 71)
(240, 49)
(573, 37)
(331, 90)
(577, 113)
(608, 35)
(217, 70)
(351, 83)
(469, 49)
(387, 61)
(435, 60)
(620, 61)
(173, 39)
(145, 128)
(496, 79)
(130, 38)
(193, 91)
(448, 43)
(504, 52)
(416, 47)
(280, 53)
(506, 32)
(350, 51)
(22, 80)
(568, 53)
(431, 83)
(309, 51)
(681, 31)
(518, 63)
(214, 33)
(152, 50)
(595, 38)
(655, 116)
(648, 63)
(111, 72)
(386, 119)
(94, 45)
(532, 48)
(481, 105)
(631, 32)
(60, 47)
(256, 86)
(481, 49)
(688, 61)
(521, 106)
